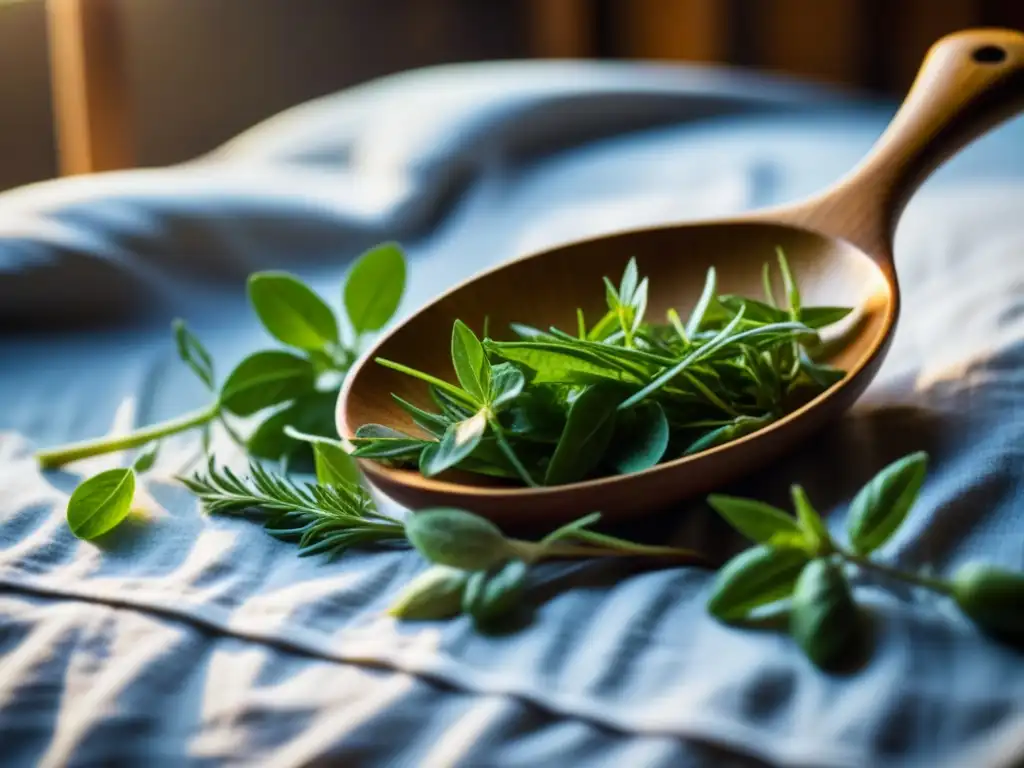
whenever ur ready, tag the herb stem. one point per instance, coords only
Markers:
(58, 457)
(617, 548)
(939, 585)
(499, 436)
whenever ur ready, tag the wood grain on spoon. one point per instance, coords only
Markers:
(839, 244)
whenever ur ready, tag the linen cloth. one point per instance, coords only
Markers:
(185, 639)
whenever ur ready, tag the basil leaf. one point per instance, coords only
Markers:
(434, 594)
(264, 379)
(815, 533)
(333, 465)
(193, 353)
(559, 363)
(291, 312)
(753, 578)
(820, 317)
(823, 618)
(100, 503)
(627, 287)
(471, 366)
(757, 521)
(459, 441)
(993, 598)
(882, 505)
(374, 287)
(588, 431)
(312, 414)
(640, 438)
(507, 384)
(491, 594)
(145, 460)
(458, 539)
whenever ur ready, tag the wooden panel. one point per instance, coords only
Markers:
(90, 86)
(919, 23)
(562, 28)
(690, 30)
(811, 38)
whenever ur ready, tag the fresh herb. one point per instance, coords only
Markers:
(292, 392)
(552, 408)
(797, 561)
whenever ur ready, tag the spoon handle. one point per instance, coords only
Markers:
(968, 83)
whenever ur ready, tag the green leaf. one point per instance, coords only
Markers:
(559, 363)
(264, 379)
(820, 317)
(146, 459)
(627, 287)
(753, 578)
(588, 431)
(310, 414)
(823, 618)
(640, 439)
(754, 311)
(758, 521)
(882, 505)
(374, 287)
(434, 594)
(333, 465)
(993, 598)
(458, 539)
(814, 530)
(639, 304)
(471, 366)
(459, 441)
(291, 312)
(507, 383)
(734, 430)
(450, 389)
(193, 353)
(792, 291)
(100, 503)
(766, 281)
(707, 295)
(494, 593)
(434, 424)
(376, 441)
(823, 376)
(611, 296)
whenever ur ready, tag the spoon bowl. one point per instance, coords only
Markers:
(838, 243)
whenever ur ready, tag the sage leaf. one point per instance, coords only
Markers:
(507, 383)
(759, 522)
(374, 287)
(471, 365)
(823, 618)
(291, 312)
(881, 506)
(814, 530)
(459, 441)
(434, 594)
(494, 593)
(193, 353)
(756, 577)
(264, 379)
(100, 503)
(458, 539)
(588, 431)
(993, 598)
(640, 438)
(146, 459)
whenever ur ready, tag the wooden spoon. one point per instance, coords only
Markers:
(839, 244)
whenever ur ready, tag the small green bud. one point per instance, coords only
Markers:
(993, 598)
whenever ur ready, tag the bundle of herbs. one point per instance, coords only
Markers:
(619, 396)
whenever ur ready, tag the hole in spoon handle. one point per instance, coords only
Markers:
(968, 83)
